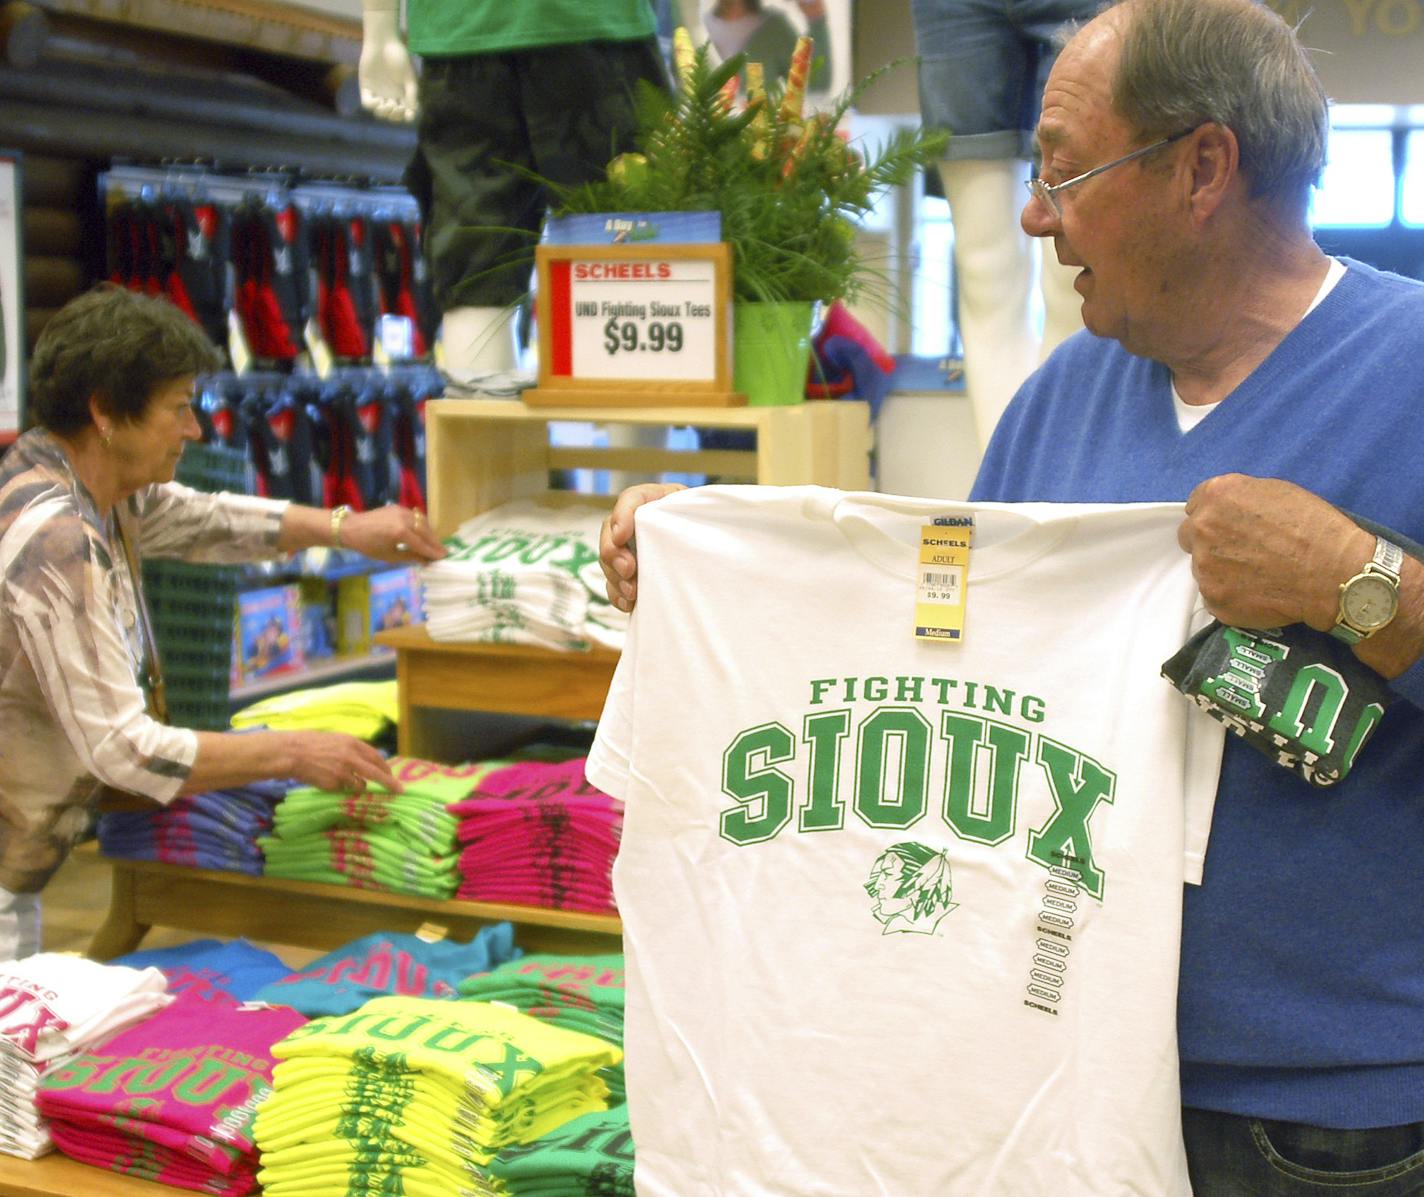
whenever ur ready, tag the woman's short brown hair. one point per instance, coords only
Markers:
(114, 344)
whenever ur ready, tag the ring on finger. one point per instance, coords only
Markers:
(402, 547)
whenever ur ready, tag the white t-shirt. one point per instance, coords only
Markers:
(523, 573)
(902, 918)
(52, 1004)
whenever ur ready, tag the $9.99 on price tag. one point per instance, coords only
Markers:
(636, 319)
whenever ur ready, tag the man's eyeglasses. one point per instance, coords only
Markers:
(1047, 193)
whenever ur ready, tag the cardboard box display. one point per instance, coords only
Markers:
(370, 603)
(269, 631)
(318, 617)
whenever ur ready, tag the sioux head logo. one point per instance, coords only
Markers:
(911, 888)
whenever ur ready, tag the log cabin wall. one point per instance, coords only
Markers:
(237, 84)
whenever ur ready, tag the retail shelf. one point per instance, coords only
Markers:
(315, 673)
(312, 914)
(59, 1176)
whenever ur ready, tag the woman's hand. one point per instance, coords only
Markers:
(391, 533)
(335, 761)
(328, 760)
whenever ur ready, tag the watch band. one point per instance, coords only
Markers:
(1388, 557)
(1386, 563)
(338, 516)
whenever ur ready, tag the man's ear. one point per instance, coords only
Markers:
(1213, 164)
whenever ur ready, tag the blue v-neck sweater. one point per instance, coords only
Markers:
(1302, 982)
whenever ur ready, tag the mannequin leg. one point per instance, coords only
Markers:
(993, 259)
(1062, 306)
(478, 342)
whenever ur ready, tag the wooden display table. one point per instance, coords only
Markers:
(59, 1176)
(310, 914)
(512, 679)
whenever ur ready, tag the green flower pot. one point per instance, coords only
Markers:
(771, 348)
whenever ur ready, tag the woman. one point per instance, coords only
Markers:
(768, 36)
(82, 496)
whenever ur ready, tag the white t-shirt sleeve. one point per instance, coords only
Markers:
(1201, 765)
(1206, 741)
(609, 765)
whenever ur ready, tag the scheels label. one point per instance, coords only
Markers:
(941, 580)
(622, 270)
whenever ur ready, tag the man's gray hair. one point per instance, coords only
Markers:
(1235, 62)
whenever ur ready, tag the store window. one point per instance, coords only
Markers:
(1411, 181)
(1370, 205)
(1357, 188)
(932, 331)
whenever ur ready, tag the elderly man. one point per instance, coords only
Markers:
(1236, 364)
(1233, 365)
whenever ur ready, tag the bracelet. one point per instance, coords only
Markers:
(338, 514)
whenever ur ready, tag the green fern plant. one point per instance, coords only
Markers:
(789, 190)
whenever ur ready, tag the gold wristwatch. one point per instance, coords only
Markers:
(1369, 600)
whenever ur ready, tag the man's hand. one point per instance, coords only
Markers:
(615, 541)
(1266, 553)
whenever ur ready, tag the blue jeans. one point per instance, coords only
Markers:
(1229, 1155)
(983, 64)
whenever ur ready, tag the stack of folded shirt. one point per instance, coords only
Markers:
(578, 993)
(386, 964)
(591, 1156)
(217, 830)
(417, 1096)
(536, 833)
(361, 709)
(174, 1098)
(375, 839)
(238, 969)
(53, 1007)
(524, 573)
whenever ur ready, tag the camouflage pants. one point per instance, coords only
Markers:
(559, 111)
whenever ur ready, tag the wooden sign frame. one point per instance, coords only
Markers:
(553, 301)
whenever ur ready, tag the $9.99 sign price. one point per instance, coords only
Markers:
(656, 337)
(635, 319)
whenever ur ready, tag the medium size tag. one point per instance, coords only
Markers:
(321, 356)
(237, 349)
(942, 580)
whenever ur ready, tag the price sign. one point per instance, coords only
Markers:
(634, 325)
(648, 319)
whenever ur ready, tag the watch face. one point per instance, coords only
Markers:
(1368, 603)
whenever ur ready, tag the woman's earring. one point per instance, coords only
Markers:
(105, 438)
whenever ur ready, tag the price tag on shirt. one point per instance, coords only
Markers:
(644, 318)
(942, 580)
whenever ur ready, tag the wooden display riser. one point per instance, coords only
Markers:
(59, 1176)
(484, 452)
(309, 914)
(511, 679)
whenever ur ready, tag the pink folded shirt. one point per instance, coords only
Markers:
(189, 1078)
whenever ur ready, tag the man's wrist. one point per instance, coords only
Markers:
(1346, 557)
